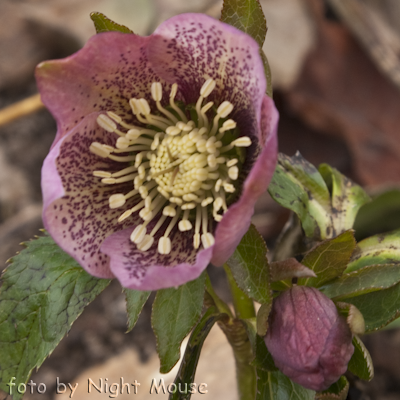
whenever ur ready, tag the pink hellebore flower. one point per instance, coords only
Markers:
(308, 339)
(148, 180)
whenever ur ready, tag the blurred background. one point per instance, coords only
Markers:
(336, 76)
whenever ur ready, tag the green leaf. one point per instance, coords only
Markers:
(298, 186)
(104, 24)
(360, 363)
(273, 385)
(378, 308)
(249, 266)
(329, 259)
(267, 73)
(337, 391)
(135, 300)
(362, 281)
(175, 312)
(246, 15)
(382, 214)
(394, 324)
(191, 357)
(262, 357)
(346, 197)
(44, 290)
(378, 249)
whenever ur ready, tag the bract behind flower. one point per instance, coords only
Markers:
(112, 101)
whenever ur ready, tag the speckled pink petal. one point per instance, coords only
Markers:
(150, 270)
(190, 48)
(76, 209)
(236, 221)
(104, 75)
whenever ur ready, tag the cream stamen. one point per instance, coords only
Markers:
(183, 168)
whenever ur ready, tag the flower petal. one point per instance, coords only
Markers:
(236, 221)
(76, 209)
(150, 270)
(104, 75)
(190, 48)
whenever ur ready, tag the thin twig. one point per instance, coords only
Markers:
(20, 109)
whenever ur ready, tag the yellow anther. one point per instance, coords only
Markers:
(243, 141)
(208, 87)
(225, 109)
(164, 245)
(99, 149)
(106, 123)
(156, 91)
(117, 200)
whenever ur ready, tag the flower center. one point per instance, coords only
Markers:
(181, 169)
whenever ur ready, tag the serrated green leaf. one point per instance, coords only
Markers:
(329, 259)
(337, 391)
(362, 281)
(273, 385)
(379, 249)
(378, 308)
(246, 15)
(262, 357)
(44, 290)
(249, 266)
(298, 186)
(175, 312)
(346, 197)
(360, 363)
(104, 24)
(135, 300)
(394, 324)
(191, 357)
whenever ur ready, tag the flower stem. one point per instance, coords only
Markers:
(237, 336)
(245, 373)
(221, 305)
(244, 306)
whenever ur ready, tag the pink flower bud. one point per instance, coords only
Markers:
(309, 341)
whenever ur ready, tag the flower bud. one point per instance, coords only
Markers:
(308, 339)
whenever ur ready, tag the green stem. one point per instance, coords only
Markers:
(221, 305)
(237, 336)
(245, 373)
(244, 306)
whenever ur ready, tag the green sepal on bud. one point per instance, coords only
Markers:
(337, 391)
(105, 24)
(353, 316)
(360, 363)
